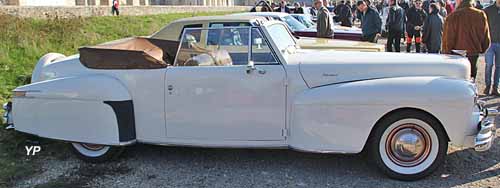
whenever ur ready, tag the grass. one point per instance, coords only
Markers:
(24, 40)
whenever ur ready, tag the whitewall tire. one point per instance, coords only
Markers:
(95, 153)
(408, 145)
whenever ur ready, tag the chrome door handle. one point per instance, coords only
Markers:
(261, 71)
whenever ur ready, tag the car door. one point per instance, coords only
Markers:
(211, 93)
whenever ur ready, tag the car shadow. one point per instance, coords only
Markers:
(288, 167)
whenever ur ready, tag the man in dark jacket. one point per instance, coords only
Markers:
(324, 22)
(415, 18)
(403, 4)
(426, 4)
(433, 30)
(283, 8)
(395, 26)
(344, 14)
(337, 7)
(493, 53)
(371, 24)
(467, 29)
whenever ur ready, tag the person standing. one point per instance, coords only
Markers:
(493, 53)
(379, 5)
(371, 24)
(324, 22)
(283, 8)
(114, 8)
(349, 5)
(313, 11)
(478, 5)
(426, 4)
(415, 18)
(449, 7)
(433, 30)
(442, 8)
(403, 4)
(344, 14)
(337, 7)
(298, 8)
(467, 29)
(395, 26)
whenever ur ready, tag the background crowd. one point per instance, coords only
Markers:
(464, 27)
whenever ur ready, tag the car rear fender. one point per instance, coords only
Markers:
(93, 108)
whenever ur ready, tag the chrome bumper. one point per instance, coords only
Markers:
(487, 129)
(7, 116)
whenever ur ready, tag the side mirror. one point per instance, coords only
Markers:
(250, 67)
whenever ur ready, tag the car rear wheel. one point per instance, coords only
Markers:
(96, 153)
(408, 145)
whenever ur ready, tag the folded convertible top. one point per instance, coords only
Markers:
(129, 53)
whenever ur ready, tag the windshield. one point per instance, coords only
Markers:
(281, 37)
(294, 24)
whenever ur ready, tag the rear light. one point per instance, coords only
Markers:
(19, 93)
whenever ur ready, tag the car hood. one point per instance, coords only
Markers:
(320, 68)
(344, 45)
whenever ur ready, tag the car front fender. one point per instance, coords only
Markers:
(340, 117)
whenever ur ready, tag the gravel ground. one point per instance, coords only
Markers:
(156, 166)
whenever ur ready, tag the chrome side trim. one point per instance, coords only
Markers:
(127, 143)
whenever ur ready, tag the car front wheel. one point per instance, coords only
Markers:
(96, 153)
(408, 145)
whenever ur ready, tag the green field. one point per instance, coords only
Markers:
(23, 41)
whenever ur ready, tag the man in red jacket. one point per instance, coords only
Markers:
(114, 7)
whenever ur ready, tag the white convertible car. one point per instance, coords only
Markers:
(252, 87)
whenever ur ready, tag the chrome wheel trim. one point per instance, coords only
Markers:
(421, 158)
(91, 150)
(408, 145)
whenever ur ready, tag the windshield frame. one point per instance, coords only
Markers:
(293, 23)
(278, 52)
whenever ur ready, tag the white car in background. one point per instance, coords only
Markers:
(299, 29)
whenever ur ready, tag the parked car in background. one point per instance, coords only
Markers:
(300, 29)
(251, 86)
(173, 31)
(305, 19)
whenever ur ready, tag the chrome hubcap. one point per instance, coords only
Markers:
(93, 147)
(408, 145)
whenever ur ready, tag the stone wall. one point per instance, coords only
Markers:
(86, 11)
